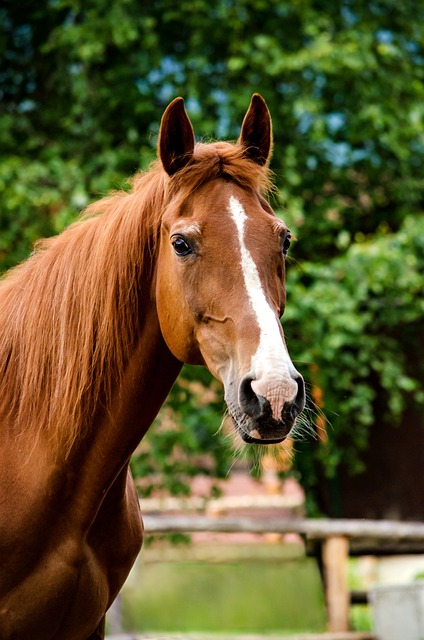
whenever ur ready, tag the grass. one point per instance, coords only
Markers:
(264, 588)
(360, 615)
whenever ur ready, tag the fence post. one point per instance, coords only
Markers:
(335, 555)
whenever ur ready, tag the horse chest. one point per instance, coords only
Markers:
(67, 576)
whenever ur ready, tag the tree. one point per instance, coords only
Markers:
(83, 86)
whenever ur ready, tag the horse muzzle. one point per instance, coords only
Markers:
(266, 419)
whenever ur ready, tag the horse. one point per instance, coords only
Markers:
(186, 266)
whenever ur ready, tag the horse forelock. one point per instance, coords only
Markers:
(70, 315)
(221, 159)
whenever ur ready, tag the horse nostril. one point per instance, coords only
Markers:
(293, 411)
(251, 404)
(299, 402)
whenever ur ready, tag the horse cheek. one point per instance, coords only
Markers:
(175, 319)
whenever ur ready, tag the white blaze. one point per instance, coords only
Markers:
(271, 365)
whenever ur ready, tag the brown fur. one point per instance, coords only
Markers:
(69, 315)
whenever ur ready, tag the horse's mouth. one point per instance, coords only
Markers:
(263, 432)
(251, 440)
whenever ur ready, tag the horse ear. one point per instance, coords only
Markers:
(256, 131)
(176, 137)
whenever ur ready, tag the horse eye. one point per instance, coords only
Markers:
(181, 247)
(286, 243)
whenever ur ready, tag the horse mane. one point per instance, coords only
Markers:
(71, 313)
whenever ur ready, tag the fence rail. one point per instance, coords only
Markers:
(331, 540)
(312, 529)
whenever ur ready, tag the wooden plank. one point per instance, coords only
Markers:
(312, 529)
(384, 547)
(335, 555)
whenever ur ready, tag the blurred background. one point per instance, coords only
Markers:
(83, 85)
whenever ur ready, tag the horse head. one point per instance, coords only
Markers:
(220, 284)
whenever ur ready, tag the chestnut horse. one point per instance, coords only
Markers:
(188, 266)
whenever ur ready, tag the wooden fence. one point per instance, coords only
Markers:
(331, 541)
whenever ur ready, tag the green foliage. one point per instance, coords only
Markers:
(349, 320)
(185, 440)
(83, 86)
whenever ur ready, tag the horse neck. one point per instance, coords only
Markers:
(74, 317)
(101, 454)
(78, 485)
(150, 374)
